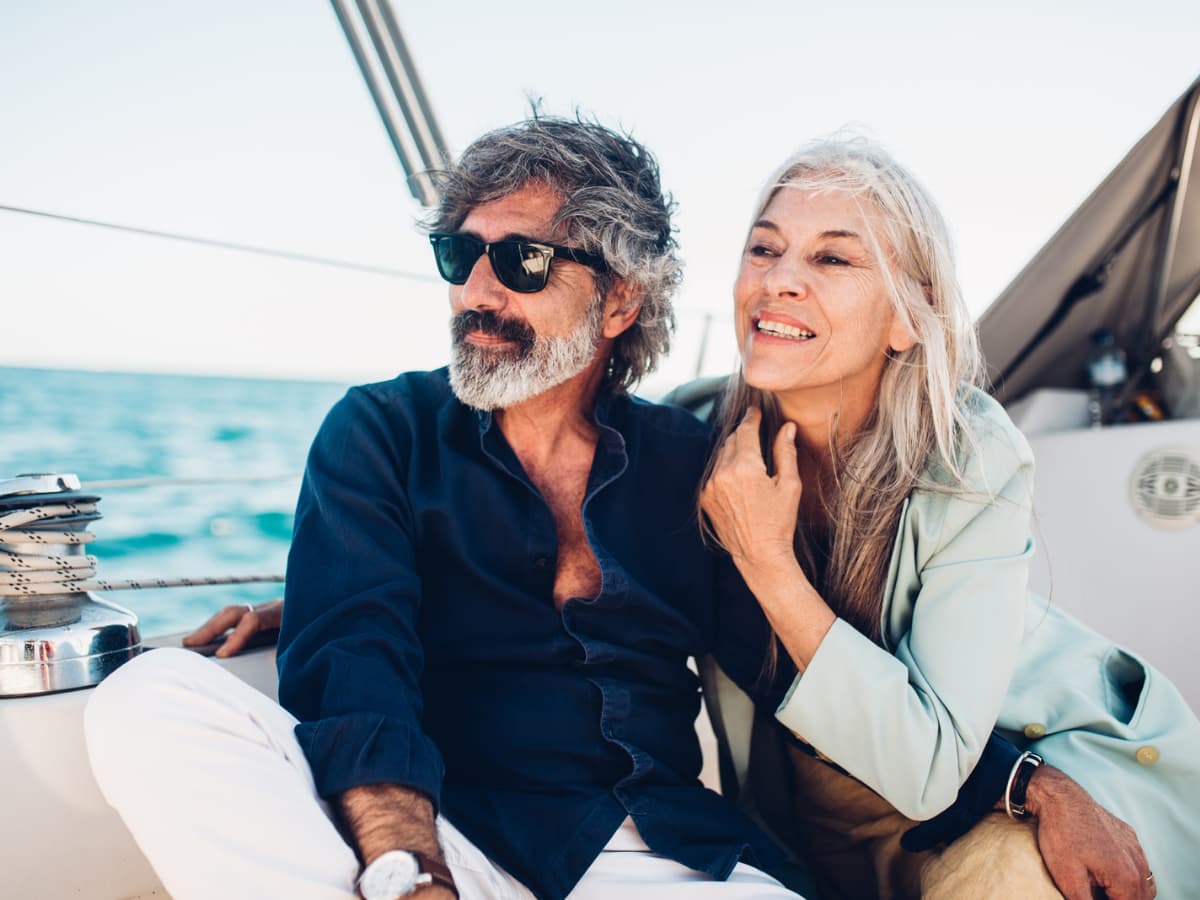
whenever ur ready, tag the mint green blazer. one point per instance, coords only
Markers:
(967, 648)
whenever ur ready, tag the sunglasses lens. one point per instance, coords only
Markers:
(456, 255)
(521, 267)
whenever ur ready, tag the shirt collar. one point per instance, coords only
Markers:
(606, 414)
(611, 417)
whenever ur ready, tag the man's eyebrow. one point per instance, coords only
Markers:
(511, 236)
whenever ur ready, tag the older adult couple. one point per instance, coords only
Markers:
(498, 575)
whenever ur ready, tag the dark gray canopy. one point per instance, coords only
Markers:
(1127, 260)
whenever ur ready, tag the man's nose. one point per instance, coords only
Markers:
(482, 290)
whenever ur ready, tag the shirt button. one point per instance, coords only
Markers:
(1035, 730)
(1147, 755)
(543, 562)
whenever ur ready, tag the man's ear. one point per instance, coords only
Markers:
(621, 308)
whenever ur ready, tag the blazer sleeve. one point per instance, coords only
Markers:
(912, 725)
(350, 658)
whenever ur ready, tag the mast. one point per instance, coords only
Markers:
(391, 76)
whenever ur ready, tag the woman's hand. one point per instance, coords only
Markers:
(754, 516)
(753, 513)
(245, 620)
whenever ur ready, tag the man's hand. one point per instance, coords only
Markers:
(245, 620)
(1083, 845)
(383, 817)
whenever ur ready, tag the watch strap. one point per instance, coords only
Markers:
(1018, 784)
(438, 872)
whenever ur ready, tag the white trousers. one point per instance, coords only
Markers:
(208, 776)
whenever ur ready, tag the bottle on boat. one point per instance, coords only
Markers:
(1107, 373)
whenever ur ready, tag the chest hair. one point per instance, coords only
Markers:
(577, 572)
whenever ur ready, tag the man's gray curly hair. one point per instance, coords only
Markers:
(613, 204)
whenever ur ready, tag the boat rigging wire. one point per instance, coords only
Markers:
(225, 245)
(121, 483)
(32, 575)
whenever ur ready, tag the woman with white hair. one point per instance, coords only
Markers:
(877, 504)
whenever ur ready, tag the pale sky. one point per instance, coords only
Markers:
(247, 121)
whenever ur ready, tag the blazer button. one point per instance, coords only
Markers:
(1147, 755)
(1035, 730)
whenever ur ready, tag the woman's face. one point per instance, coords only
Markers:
(814, 321)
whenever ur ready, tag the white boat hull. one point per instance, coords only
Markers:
(61, 838)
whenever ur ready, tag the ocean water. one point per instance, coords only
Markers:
(105, 426)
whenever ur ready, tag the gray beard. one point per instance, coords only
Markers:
(488, 380)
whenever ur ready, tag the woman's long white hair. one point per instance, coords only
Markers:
(918, 424)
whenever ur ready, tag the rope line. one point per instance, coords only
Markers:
(134, 584)
(24, 574)
(225, 245)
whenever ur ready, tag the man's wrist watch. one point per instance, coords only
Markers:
(401, 873)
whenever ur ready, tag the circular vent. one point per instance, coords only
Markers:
(1166, 488)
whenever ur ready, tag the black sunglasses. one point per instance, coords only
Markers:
(521, 266)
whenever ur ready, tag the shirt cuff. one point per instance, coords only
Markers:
(369, 748)
(990, 777)
(819, 690)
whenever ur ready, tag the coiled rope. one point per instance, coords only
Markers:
(37, 574)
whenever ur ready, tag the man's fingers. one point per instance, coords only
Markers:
(270, 614)
(1149, 888)
(246, 629)
(1128, 883)
(1125, 875)
(217, 625)
(1073, 882)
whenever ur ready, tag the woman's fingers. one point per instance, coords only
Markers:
(745, 439)
(752, 513)
(787, 471)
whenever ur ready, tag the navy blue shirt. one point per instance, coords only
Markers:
(421, 644)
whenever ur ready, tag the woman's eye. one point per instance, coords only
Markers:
(830, 259)
(761, 250)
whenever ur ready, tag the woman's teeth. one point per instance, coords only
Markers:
(779, 329)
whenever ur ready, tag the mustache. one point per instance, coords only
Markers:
(487, 322)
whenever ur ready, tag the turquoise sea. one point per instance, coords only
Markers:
(106, 426)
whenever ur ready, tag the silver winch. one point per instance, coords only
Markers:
(54, 638)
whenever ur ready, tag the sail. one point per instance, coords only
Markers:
(1128, 259)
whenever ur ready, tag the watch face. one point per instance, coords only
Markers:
(392, 875)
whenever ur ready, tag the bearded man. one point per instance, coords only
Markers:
(483, 651)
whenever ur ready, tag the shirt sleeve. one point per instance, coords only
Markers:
(350, 658)
(912, 725)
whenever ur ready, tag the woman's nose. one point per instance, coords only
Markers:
(787, 278)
